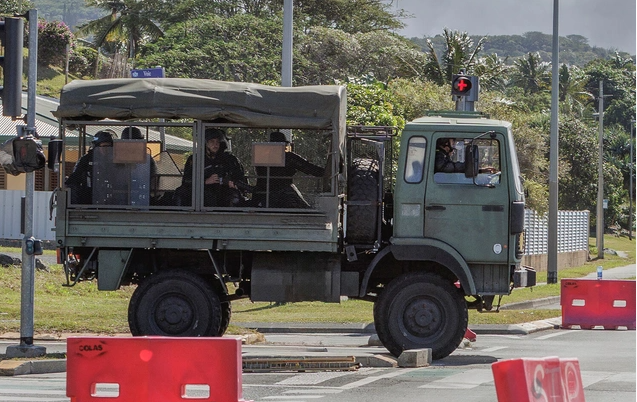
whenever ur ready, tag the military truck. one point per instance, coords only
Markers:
(380, 224)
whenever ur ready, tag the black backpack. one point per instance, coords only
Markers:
(22, 155)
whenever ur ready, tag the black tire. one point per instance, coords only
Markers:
(421, 310)
(226, 313)
(175, 303)
(362, 220)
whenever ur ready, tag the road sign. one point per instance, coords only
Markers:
(155, 72)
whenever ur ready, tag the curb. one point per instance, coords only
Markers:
(16, 367)
(529, 304)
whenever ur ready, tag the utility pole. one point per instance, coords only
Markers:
(600, 183)
(286, 57)
(630, 192)
(551, 271)
(27, 291)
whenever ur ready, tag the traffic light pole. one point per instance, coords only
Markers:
(27, 293)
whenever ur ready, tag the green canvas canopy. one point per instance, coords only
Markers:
(247, 104)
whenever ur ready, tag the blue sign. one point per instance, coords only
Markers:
(156, 72)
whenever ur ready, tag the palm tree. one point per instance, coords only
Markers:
(492, 71)
(127, 25)
(531, 73)
(572, 83)
(460, 54)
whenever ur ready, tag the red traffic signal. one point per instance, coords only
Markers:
(461, 85)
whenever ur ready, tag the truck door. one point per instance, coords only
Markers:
(410, 191)
(470, 214)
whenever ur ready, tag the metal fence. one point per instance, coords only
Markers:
(572, 230)
(10, 212)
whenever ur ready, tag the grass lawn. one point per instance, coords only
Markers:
(84, 309)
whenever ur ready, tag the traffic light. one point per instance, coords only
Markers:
(461, 85)
(12, 38)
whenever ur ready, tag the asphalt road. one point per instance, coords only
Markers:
(606, 359)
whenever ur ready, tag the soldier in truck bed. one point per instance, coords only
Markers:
(80, 181)
(282, 191)
(222, 173)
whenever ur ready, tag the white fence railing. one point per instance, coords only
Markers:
(572, 230)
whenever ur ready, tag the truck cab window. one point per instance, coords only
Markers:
(450, 162)
(415, 160)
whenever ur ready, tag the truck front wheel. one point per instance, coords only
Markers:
(421, 310)
(175, 303)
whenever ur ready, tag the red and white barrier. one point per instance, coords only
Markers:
(550, 379)
(590, 302)
(152, 369)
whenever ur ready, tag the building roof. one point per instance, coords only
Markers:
(47, 125)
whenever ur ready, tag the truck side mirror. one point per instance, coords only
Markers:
(54, 152)
(471, 161)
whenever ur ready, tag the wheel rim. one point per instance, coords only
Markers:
(422, 317)
(173, 314)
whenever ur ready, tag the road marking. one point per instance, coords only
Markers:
(493, 349)
(591, 377)
(313, 391)
(292, 398)
(312, 378)
(465, 380)
(554, 335)
(372, 379)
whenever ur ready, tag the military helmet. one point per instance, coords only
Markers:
(103, 136)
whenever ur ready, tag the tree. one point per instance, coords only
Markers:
(618, 75)
(12, 7)
(237, 48)
(531, 73)
(128, 23)
(572, 90)
(53, 37)
(460, 54)
(324, 56)
(493, 72)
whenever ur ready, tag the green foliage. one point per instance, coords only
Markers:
(414, 97)
(459, 54)
(53, 37)
(128, 24)
(238, 48)
(371, 104)
(81, 61)
(618, 75)
(13, 7)
(531, 74)
(324, 56)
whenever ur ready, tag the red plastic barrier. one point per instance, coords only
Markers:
(538, 380)
(470, 335)
(153, 369)
(591, 302)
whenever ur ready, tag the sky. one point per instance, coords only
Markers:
(609, 24)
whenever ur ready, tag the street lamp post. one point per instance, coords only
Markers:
(600, 183)
(630, 192)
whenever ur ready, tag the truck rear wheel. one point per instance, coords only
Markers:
(226, 313)
(175, 303)
(362, 220)
(421, 310)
